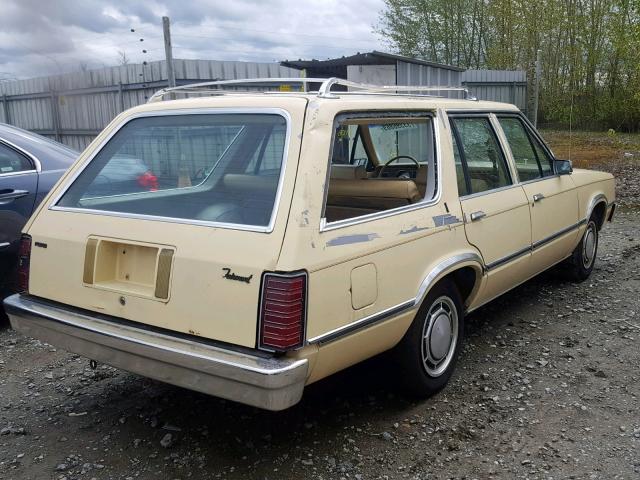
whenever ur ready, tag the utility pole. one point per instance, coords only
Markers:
(171, 74)
(536, 87)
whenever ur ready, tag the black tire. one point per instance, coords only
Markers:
(418, 375)
(583, 258)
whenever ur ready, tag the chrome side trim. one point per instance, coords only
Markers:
(559, 233)
(512, 287)
(515, 255)
(36, 163)
(183, 111)
(508, 258)
(363, 322)
(489, 192)
(273, 383)
(594, 202)
(444, 267)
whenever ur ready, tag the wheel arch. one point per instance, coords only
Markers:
(465, 270)
(598, 205)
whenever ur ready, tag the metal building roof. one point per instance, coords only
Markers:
(369, 58)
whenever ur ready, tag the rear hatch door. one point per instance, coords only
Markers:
(182, 247)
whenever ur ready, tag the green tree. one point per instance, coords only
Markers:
(590, 49)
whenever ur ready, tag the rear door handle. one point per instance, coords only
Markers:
(477, 215)
(8, 195)
(537, 197)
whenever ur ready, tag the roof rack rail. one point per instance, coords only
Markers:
(217, 87)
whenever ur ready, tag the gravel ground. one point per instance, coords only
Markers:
(547, 387)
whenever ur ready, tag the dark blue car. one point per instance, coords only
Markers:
(29, 166)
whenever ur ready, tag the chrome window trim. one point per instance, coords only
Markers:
(488, 192)
(509, 113)
(489, 116)
(506, 148)
(183, 111)
(32, 158)
(530, 130)
(424, 203)
(15, 174)
(535, 180)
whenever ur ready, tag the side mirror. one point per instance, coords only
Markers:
(562, 167)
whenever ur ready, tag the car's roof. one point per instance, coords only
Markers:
(347, 100)
(51, 155)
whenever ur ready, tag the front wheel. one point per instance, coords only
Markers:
(428, 352)
(583, 257)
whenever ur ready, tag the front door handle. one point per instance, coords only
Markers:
(9, 195)
(537, 197)
(475, 216)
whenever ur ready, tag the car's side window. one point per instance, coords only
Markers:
(380, 162)
(12, 161)
(530, 158)
(482, 159)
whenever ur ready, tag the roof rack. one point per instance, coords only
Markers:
(326, 84)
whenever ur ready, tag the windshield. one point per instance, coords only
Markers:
(222, 168)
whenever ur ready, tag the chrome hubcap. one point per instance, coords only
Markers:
(439, 336)
(589, 245)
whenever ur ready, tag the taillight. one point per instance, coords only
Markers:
(282, 311)
(149, 181)
(24, 259)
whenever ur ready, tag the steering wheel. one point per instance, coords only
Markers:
(393, 159)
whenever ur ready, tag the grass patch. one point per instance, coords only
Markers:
(594, 149)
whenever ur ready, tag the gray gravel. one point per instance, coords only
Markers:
(547, 387)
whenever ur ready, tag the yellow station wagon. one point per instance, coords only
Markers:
(289, 235)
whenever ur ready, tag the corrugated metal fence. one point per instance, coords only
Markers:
(509, 86)
(73, 108)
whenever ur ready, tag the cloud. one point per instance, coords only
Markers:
(42, 38)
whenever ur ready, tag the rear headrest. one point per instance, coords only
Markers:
(261, 185)
(348, 172)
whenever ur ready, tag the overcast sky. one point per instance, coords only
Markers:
(53, 36)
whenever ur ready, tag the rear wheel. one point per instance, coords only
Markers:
(428, 352)
(583, 257)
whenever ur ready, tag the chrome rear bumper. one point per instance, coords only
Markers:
(269, 383)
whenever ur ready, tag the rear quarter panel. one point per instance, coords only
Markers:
(593, 187)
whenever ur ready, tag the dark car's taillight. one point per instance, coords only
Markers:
(24, 259)
(149, 181)
(282, 311)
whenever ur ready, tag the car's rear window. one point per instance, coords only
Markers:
(219, 168)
